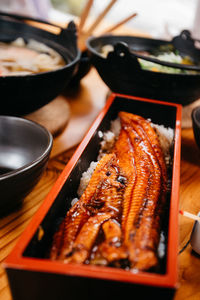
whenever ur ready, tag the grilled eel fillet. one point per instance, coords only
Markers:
(101, 199)
(118, 216)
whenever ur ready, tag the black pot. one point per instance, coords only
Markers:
(21, 95)
(122, 73)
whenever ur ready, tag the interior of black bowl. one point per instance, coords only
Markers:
(196, 124)
(24, 94)
(121, 71)
(22, 143)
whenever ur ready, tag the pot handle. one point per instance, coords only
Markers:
(66, 35)
(122, 53)
(26, 18)
(185, 44)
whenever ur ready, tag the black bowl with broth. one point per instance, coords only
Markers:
(23, 94)
(122, 73)
(25, 147)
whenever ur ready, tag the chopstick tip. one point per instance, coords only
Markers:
(189, 215)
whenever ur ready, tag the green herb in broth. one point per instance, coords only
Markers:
(169, 54)
(167, 48)
(168, 57)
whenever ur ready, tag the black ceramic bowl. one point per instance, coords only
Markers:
(21, 95)
(196, 124)
(25, 147)
(121, 71)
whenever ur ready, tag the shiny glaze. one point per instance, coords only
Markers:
(117, 219)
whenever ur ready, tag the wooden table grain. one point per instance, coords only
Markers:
(85, 105)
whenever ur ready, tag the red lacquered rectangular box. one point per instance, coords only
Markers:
(33, 276)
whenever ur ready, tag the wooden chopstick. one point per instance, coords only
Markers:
(100, 17)
(122, 22)
(84, 15)
(83, 35)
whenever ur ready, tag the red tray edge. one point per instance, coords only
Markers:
(15, 259)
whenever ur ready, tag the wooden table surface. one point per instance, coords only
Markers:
(85, 105)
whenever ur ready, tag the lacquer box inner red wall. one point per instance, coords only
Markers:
(33, 276)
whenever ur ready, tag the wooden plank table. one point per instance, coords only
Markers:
(85, 105)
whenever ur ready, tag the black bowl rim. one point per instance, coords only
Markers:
(93, 38)
(38, 160)
(194, 116)
(90, 48)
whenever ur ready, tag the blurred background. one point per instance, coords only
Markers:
(159, 18)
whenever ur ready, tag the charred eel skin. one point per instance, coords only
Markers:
(103, 195)
(142, 229)
(118, 217)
